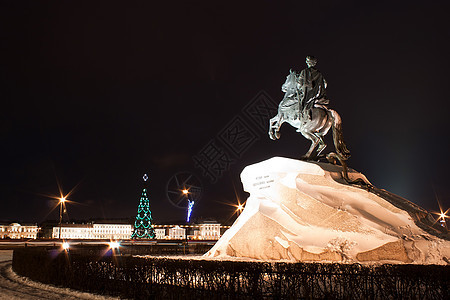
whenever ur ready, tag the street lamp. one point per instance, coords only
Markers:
(61, 204)
(114, 245)
(65, 246)
(442, 220)
(239, 208)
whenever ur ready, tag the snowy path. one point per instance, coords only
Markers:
(14, 287)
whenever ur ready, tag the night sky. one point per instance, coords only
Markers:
(95, 94)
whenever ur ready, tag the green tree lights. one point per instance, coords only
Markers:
(143, 228)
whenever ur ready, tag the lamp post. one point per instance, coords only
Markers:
(61, 203)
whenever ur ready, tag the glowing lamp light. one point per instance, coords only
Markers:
(185, 191)
(114, 245)
(240, 207)
(62, 199)
(65, 246)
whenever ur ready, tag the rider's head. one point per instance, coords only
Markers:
(311, 61)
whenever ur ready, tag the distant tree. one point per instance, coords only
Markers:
(143, 227)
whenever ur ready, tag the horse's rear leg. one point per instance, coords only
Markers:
(314, 142)
(321, 145)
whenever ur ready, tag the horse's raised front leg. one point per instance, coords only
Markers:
(274, 127)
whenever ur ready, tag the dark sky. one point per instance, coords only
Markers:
(94, 94)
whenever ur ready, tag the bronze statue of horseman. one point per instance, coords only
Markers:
(304, 106)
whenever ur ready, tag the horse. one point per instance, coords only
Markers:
(313, 124)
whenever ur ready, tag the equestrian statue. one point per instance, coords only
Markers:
(305, 107)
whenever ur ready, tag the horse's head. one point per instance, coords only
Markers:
(291, 77)
(290, 85)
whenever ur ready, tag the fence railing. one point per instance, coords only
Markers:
(165, 278)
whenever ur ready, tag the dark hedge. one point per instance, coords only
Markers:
(165, 278)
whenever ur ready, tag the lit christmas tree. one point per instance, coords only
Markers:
(143, 228)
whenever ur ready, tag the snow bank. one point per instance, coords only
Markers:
(303, 211)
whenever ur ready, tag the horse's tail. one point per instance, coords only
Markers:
(338, 136)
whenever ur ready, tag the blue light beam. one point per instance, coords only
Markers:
(189, 212)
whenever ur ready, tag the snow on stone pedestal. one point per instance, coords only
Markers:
(302, 211)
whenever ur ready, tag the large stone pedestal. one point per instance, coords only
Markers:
(302, 211)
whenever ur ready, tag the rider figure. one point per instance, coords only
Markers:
(312, 87)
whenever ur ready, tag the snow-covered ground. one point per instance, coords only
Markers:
(14, 287)
(301, 211)
(5, 255)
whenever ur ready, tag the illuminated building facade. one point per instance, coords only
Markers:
(93, 231)
(160, 233)
(205, 231)
(177, 233)
(209, 231)
(17, 231)
(112, 231)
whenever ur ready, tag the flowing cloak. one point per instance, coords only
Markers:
(312, 88)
